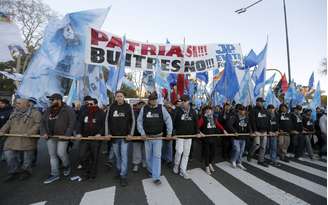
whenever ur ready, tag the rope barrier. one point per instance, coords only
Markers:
(138, 138)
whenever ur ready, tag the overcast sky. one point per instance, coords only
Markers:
(214, 21)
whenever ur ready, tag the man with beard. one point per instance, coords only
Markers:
(90, 123)
(58, 119)
(24, 120)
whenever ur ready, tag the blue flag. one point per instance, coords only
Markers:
(311, 81)
(73, 93)
(259, 72)
(272, 99)
(270, 80)
(228, 85)
(203, 76)
(97, 88)
(294, 97)
(246, 96)
(61, 54)
(116, 74)
(250, 60)
(316, 101)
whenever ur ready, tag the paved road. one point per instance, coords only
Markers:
(299, 182)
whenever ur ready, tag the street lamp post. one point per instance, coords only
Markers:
(242, 10)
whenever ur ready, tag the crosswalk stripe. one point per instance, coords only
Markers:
(40, 203)
(159, 194)
(323, 164)
(305, 168)
(272, 192)
(104, 196)
(306, 184)
(215, 191)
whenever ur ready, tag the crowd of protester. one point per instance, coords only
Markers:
(166, 135)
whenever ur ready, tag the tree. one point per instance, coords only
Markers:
(31, 16)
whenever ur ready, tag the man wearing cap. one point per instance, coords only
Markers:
(151, 120)
(285, 125)
(58, 120)
(120, 122)
(23, 120)
(184, 123)
(5, 111)
(260, 122)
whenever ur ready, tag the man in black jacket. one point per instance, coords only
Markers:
(273, 134)
(285, 125)
(260, 123)
(185, 123)
(297, 131)
(120, 122)
(90, 123)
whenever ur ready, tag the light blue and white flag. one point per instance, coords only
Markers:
(13, 76)
(260, 73)
(316, 101)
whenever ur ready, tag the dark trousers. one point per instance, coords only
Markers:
(226, 147)
(209, 150)
(299, 144)
(90, 154)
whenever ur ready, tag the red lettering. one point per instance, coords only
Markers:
(97, 36)
(148, 48)
(161, 50)
(189, 51)
(114, 41)
(132, 45)
(175, 50)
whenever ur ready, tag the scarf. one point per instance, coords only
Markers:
(91, 113)
(21, 113)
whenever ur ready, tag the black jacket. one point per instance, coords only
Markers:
(64, 124)
(237, 124)
(4, 115)
(120, 120)
(285, 122)
(259, 119)
(297, 122)
(98, 123)
(273, 122)
(185, 123)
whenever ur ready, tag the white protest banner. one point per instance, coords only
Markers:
(103, 48)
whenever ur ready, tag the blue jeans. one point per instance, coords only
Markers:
(153, 150)
(57, 149)
(238, 147)
(121, 154)
(167, 151)
(272, 142)
(12, 158)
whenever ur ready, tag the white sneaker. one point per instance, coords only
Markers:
(184, 175)
(144, 165)
(176, 169)
(241, 166)
(233, 164)
(211, 168)
(208, 171)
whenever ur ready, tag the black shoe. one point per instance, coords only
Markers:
(263, 164)
(117, 176)
(10, 177)
(24, 175)
(285, 159)
(124, 182)
(169, 164)
(157, 182)
(249, 158)
(109, 164)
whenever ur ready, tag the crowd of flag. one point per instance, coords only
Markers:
(42, 76)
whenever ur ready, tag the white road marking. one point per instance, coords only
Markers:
(104, 196)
